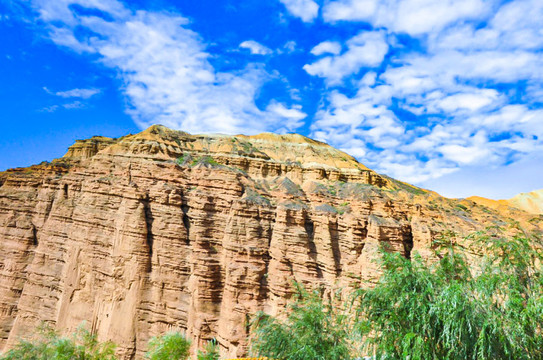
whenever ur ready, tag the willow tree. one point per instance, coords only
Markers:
(449, 310)
(312, 330)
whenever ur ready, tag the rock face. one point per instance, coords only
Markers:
(166, 230)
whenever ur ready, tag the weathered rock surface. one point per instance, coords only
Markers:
(165, 230)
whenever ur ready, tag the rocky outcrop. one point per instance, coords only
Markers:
(166, 230)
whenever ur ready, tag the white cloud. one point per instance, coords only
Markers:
(471, 102)
(307, 10)
(417, 17)
(512, 118)
(350, 10)
(165, 69)
(462, 85)
(74, 105)
(463, 154)
(290, 46)
(414, 17)
(77, 93)
(255, 48)
(515, 26)
(366, 49)
(68, 106)
(294, 113)
(327, 47)
(292, 116)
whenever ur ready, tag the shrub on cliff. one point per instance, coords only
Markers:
(48, 345)
(170, 346)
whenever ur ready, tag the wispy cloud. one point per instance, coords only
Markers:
(75, 93)
(290, 46)
(164, 66)
(67, 106)
(255, 48)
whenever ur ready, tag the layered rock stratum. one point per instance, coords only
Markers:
(165, 230)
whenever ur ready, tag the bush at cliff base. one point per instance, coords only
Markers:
(170, 346)
(420, 311)
(48, 345)
(210, 352)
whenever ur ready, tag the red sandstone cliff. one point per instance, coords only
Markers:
(164, 229)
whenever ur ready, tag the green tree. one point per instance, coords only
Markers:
(211, 351)
(48, 345)
(313, 330)
(170, 346)
(445, 311)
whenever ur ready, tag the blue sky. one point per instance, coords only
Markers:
(443, 94)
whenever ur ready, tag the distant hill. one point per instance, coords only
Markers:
(531, 202)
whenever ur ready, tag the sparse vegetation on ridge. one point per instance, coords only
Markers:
(188, 160)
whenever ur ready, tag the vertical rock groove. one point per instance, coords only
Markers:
(149, 236)
(408, 241)
(34, 236)
(186, 221)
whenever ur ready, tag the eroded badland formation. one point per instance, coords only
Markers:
(164, 229)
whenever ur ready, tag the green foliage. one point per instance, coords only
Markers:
(170, 346)
(211, 351)
(183, 159)
(188, 160)
(461, 207)
(248, 147)
(48, 345)
(443, 311)
(205, 160)
(313, 330)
